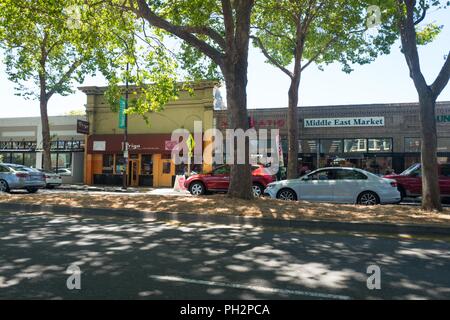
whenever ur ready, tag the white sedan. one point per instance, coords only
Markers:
(338, 185)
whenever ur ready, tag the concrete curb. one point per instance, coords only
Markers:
(391, 228)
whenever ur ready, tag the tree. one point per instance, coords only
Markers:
(220, 31)
(410, 14)
(50, 44)
(298, 33)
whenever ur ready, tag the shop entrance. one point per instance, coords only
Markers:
(133, 173)
(165, 173)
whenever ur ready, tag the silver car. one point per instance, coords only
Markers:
(337, 185)
(13, 176)
(51, 179)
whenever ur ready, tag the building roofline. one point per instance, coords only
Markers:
(361, 105)
(195, 85)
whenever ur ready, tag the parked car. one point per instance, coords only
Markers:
(410, 181)
(13, 176)
(63, 172)
(337, 185)
(51, 179)
(218, 180)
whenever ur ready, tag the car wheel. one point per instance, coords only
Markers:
(368, 198)
(257, 190)
(287, 194)
(32, 190)
(197, 189)
(4, 187)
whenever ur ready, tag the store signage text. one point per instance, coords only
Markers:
(443, 118)
(344, 122)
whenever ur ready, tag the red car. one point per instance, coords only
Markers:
(410, 181)
(218, 180)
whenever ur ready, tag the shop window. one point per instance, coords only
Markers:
(108, 164)
(412, 144)
(355, 145)
(443, 145)
(29, 159)
(330, 146)
(166, 156)
(61, 160)
(380, 145)
(17, 158)
(146, 165)
(166, 167)
(5, 157)
(120, 164)
(308, 146)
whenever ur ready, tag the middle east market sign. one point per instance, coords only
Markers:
(344, 122)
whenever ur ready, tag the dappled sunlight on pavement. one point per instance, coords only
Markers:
(132, 258)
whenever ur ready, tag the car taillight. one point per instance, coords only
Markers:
(21, 175)
(394, 184)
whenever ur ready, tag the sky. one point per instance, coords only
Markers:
(384, 81)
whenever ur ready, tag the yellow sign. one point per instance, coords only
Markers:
(191, 144)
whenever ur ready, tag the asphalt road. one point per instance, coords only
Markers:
(140, 259)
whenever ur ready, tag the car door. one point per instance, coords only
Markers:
(444, 179)
(414, 181)
(349, 184)
(219, 179)
(317, 186)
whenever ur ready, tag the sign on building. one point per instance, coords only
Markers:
(82, 127)
(344, 122)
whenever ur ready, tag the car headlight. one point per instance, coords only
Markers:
(270, 186)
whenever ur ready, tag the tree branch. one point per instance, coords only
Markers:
(259, 43)
(65, 77)
(145, 12)
(442, 79)
(424, 13)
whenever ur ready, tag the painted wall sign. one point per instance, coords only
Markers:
(344, 122)
(99, 146)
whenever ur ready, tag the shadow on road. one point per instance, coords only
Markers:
(133, 258)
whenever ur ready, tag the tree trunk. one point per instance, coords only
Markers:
(293, 128)
(236, 82)
(46, 141)
(430, 177)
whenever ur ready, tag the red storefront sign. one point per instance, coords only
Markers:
(138, 143)
(260, 123)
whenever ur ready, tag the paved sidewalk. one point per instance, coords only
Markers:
(117, 189)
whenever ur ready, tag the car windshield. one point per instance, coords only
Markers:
(411, 169)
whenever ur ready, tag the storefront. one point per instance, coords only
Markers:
(149, 162)
(380, 138)
(21, 143)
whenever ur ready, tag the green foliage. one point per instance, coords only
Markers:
(194, 65)
(62, 41)
(56, 42)
(427, 33)
(332, 31)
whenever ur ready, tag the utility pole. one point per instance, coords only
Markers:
(125, 136)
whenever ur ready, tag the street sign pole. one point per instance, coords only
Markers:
(125, 136)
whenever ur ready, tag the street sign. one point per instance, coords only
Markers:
(190, 144)
(122, 122)
(82, 127)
